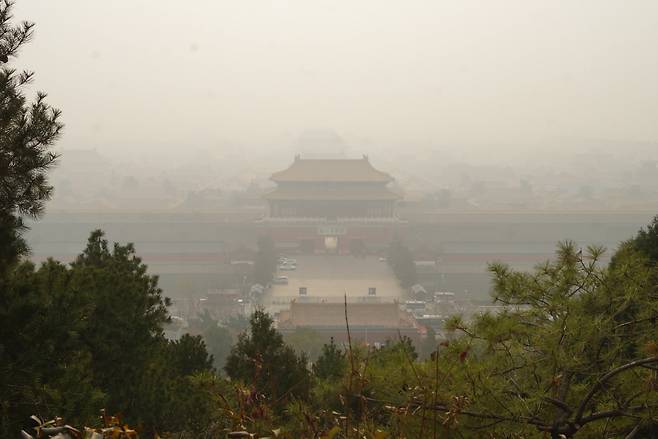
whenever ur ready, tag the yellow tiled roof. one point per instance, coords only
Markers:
(333, 170)
(333, 315)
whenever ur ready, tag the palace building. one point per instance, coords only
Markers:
(369, 322)
(331, 206)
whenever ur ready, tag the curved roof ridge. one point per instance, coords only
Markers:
(332, 170)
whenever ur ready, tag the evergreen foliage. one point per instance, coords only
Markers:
(306, 340)
(125, 317)
(646, 241)
(573, 352)
(261, 357)
(88, 336)
(265, 262)
(188, 355)
(218, 341)
(332, 362)
(428, 345)
(28, 129)
(401, 261)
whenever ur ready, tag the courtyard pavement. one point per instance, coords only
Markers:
(328, 277)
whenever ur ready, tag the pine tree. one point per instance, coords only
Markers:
(331, 364)
(27, 132)
(126, 320)
(265, 263)
(646, 241)
(260, 357)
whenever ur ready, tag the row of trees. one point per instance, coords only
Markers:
(89, 335)
(574, 354)
(75, 337)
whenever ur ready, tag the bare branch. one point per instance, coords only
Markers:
(633, 432)
(605, 378)
(559, 404)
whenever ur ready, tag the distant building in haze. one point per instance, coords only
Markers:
(331, 205)
(369, 322)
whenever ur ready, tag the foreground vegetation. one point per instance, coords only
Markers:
(573, 355)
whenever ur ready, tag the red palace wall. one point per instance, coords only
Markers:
(363, 335)
(311, 238)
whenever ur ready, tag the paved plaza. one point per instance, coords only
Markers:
(328, 277)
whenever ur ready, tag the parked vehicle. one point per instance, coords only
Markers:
(415, 305)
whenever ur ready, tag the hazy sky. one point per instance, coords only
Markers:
(145, 73)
